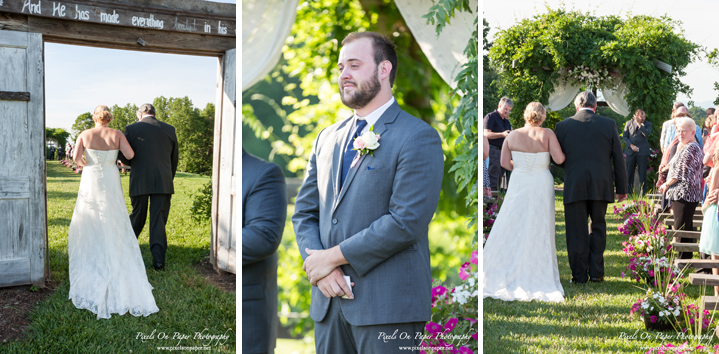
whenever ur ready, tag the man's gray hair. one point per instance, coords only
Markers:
(138, 114)
(506, 101)
(585, 99)
(147, 109)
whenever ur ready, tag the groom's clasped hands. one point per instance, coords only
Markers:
(323, 271)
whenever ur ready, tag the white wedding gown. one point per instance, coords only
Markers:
(107, 274)
(520, 256)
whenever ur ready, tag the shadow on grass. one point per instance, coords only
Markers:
(62, 195)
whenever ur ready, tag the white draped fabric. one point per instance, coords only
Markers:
(265, 27)
(446, 52)
(565, 93)
(615, 99)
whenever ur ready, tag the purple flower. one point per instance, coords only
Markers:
(463, 271)
(433, 328)
(654, 319)
(465, 350)
(475, 257)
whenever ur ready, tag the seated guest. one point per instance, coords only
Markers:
(683, 187)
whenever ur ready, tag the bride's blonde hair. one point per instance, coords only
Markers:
(102, 115)
(535, 113)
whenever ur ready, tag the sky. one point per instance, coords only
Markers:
(78, 78)
(697, 17)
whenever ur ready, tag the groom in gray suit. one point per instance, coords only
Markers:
(366, 215)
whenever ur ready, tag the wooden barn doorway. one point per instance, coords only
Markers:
(177, 27)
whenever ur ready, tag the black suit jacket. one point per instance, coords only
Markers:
(633, 134)
(591, 145)
(264, 213)
(156, 154)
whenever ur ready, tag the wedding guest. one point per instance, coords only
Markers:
(667, 124)
(684, 180)
(667, 156)
(709, 240)
(671, 132)
(708, 124)
(496, 128)
(486, 188)
(264, 209)
(635, 136)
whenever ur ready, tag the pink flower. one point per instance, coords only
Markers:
(438, 291)
(449, 326)
(463, 271)
(651, 273)
(476, 336)
(653, 319)
(622, 274)
(359, 143)
(465, 350)
(475, 257)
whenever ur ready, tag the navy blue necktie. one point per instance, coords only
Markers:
(349, 153)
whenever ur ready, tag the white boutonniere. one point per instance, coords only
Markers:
(366, 143)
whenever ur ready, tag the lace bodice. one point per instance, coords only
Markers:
(525, 161)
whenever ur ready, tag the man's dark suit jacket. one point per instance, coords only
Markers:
(156, 155)
(264, 212)
(591, 145)
(633, 134)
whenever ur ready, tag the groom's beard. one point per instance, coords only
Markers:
(365, 92)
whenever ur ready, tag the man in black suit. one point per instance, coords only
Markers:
(264, 210)
(591, 145)
(635, 136)
(153, 169)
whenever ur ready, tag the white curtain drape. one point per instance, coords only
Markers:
(265, 27)
(564, 94)
(446, 52)
(615, 99)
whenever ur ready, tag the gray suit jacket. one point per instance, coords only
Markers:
(264, 210)
(633, 134)
(379, 218)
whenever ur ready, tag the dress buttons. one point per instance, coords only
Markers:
(334, 221)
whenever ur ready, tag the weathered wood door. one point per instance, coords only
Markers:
(23, 226)
(224, 185)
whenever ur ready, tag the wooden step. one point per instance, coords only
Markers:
(684, 234)
(711, 303)
(704, 279)
(696, 263)
(697, 215)
(654, 196)
(685, 247)
(697, 222)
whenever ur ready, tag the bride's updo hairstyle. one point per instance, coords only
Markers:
(102, 115)
(535, 113)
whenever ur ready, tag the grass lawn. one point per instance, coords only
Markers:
(594, 317)
(188, 304)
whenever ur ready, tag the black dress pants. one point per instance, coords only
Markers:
(586, 243)
(159, 211)
(633, 161)
(684, 220)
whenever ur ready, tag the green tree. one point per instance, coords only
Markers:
(58, 135)
(195, 131)
(123, 116)
(82, 122)
(490, 81)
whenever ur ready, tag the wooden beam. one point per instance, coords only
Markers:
(13, 22)
(711, 303)
(696, 263)
(14, 96)
(118, 14)
(684, 234)
(685, 247)
(96, 35)
(704, 279)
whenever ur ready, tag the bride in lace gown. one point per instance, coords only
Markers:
(107, 274)
(520, 256)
